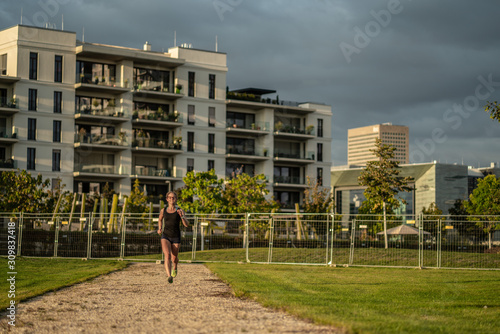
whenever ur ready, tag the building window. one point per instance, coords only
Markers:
(3, 64)
(30, 158)
(33, 66)
(58, 63)
(190, 83)
(56, 136)
(319, 176)
(211, 165)
(32, 97)
(190, 147)
(211, 86)
(57, 102)
(190, 114)
(3, 97)
(320, 127)
(190, 164)
(56, 184)
(31, 128)
(211, 143)
(211, 116)
(56, 160)
(320, 152)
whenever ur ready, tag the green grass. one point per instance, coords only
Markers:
(38, 276)
(374, 300)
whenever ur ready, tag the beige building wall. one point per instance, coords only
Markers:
(361, 140)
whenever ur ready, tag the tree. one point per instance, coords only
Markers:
(317, 199)
(22, 192)
(432, 214)
(485, 201)
(202, 193)
(245, 193)
(494, 109)
(137, 201)
(382, 181)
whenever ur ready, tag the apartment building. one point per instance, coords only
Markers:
(361, 140)
(88, 114)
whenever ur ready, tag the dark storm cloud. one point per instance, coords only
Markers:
(423, 61)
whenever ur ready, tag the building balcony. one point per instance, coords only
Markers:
(238, 154)
(253, 129)
(289, 181)
(286, 131)
(100, 84)
(98, 115)
(153, 173)
(101, 142)
(95, 171)
(7, 79)
(157, 89)
(8, 164)
(8, 108)
(252, 101)
(155, 146)
(7, 136)
(153, 118)
(294, 157)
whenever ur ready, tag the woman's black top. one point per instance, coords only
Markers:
(171, 224)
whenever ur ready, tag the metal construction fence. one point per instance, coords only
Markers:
(469, 242)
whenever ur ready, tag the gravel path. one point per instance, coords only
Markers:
(138, 299)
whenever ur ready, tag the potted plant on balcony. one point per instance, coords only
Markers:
(160, 113)
(13, 102)
(122, 137)
(178, 88)
(177, 142)
(278, 126)
(96, 106)
(125, 83)
(265, 152)
(309, 129)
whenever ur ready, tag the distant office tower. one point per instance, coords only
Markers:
(361, 140)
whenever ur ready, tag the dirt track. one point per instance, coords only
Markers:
(139, 300)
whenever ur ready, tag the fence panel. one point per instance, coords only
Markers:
(300, 238)
(38, 235)
(105, 237)
(218, 237)
(72, 236)
(9, 233)
(369, 241)
(259, 231)
(340, 240)
(465, 242)
(141, 239)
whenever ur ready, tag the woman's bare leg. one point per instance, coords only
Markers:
(167, 252)
(175, 254)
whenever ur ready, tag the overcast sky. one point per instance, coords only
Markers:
(430, 65)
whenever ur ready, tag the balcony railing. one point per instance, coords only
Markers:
(156, 116)
(155, 143)
(8, 134)
(254, 98)
(262, 126)
(153, 171)
(289, 179)
(101, 169)
(156, 86)
(12, 103)
(281, 128)
(100, 81)
(118, 140)
(9, 163)
(109, 111)
(250, 152)
(294, 155)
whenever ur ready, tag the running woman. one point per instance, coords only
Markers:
(170, 218)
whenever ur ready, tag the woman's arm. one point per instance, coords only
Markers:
(160, 219)
(183, 217)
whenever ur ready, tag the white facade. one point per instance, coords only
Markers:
(123, 112)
